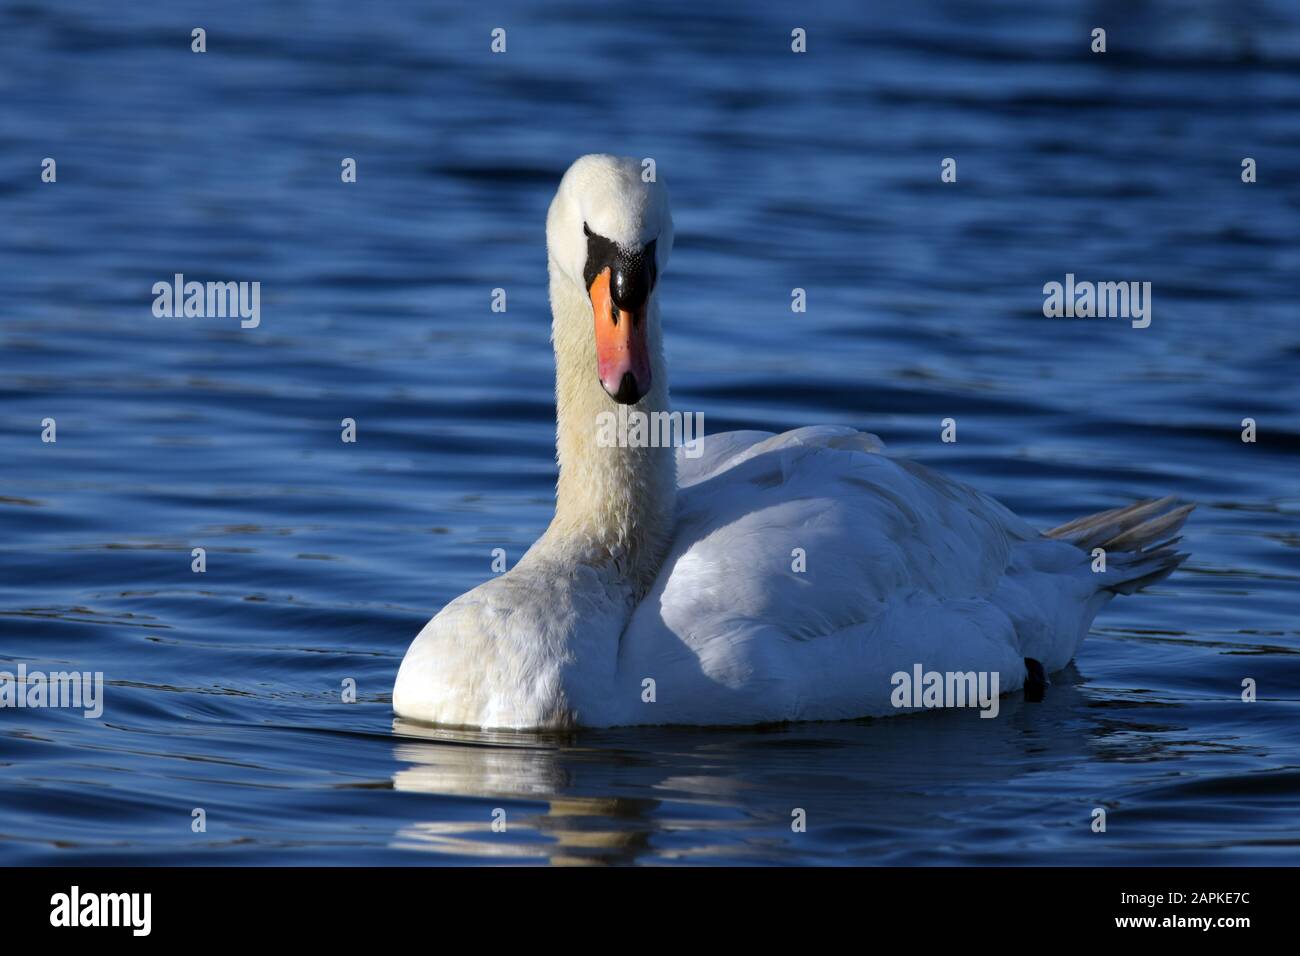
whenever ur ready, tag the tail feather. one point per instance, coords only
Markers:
(1138, 540)
(1142, 535)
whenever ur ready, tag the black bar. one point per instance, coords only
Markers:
(306, 905)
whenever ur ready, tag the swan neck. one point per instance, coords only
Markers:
(614, 502)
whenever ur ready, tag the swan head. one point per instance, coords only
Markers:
(610, 233)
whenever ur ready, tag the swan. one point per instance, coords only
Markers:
(669, 587)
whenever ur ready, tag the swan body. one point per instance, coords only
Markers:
(771, 577)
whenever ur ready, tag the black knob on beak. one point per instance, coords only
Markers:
(633, 275)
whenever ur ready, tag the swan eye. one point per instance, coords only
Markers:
(601, 254)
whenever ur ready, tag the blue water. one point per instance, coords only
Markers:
(819, 171)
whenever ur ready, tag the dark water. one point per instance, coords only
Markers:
(819, 171)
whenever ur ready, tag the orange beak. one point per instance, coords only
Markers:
(622, 358)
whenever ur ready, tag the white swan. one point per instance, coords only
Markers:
(662, 568)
